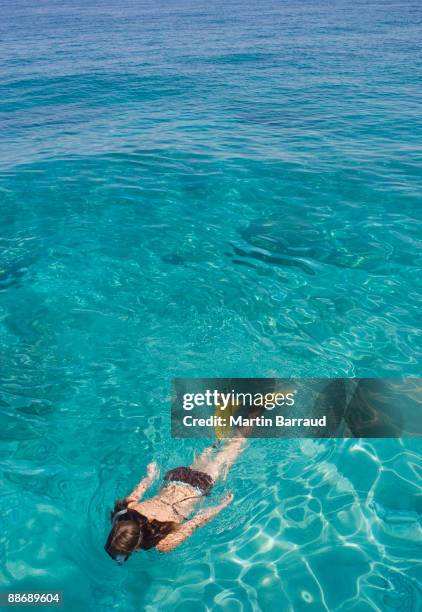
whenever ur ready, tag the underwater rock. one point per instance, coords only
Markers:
(174, 258)
(292, 239)
(11, 275)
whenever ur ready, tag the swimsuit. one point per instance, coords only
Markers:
(196, 479)
(201, 482)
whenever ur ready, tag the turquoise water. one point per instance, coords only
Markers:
(207, 189)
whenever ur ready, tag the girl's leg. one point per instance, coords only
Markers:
(222, 460)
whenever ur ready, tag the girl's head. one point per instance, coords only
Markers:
(131, 531)
(126, 533)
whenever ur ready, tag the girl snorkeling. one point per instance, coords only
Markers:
(163, 522)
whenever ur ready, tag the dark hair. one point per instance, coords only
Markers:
(133, 531)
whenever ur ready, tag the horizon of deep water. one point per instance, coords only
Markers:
(207, 189)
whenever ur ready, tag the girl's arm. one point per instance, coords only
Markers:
(177, 537)
(138, 492)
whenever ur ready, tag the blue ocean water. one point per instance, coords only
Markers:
(193, 188)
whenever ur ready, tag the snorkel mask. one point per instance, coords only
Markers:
(120, 558)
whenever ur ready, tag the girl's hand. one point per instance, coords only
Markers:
(227, 500)
(152, 470)
(202, 517)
